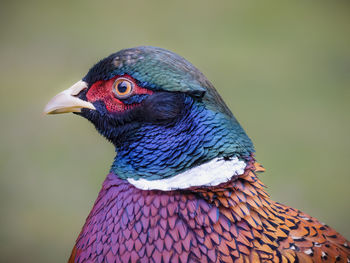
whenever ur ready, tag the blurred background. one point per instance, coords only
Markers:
(281, 66)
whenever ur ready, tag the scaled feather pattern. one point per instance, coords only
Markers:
(233, 222)
(184, 184)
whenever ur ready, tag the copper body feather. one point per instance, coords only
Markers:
(232, 222)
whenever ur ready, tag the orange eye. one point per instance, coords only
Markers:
(122, 88)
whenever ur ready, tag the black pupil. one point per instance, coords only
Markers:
(122, 86)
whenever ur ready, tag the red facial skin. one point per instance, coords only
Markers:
(103, 90)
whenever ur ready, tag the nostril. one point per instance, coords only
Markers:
(82, 94)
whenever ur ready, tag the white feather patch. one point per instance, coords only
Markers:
(212, 173)
(308, 251)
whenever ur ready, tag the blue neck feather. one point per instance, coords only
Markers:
(154, 151)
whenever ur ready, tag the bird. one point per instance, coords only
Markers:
(184, 185)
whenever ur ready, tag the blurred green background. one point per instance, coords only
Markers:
(283, 67)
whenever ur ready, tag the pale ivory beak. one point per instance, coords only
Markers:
(67, 102)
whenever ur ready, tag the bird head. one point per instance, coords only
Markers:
(160, 112)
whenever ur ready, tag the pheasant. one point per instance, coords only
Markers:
(184, 184)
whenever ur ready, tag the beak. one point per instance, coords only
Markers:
(66, 101)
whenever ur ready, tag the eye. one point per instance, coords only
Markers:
(122, 88)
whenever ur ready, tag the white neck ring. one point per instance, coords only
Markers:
(212, 173)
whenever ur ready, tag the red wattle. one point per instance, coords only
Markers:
(103, 90)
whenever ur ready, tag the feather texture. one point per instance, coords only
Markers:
(197, 196)
(233, 222)
(201, 175)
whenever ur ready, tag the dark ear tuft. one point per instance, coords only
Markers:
(197, 93)
(162, 107)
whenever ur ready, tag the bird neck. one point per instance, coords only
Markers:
(235, 221)
(183, 215)
(154, 151)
